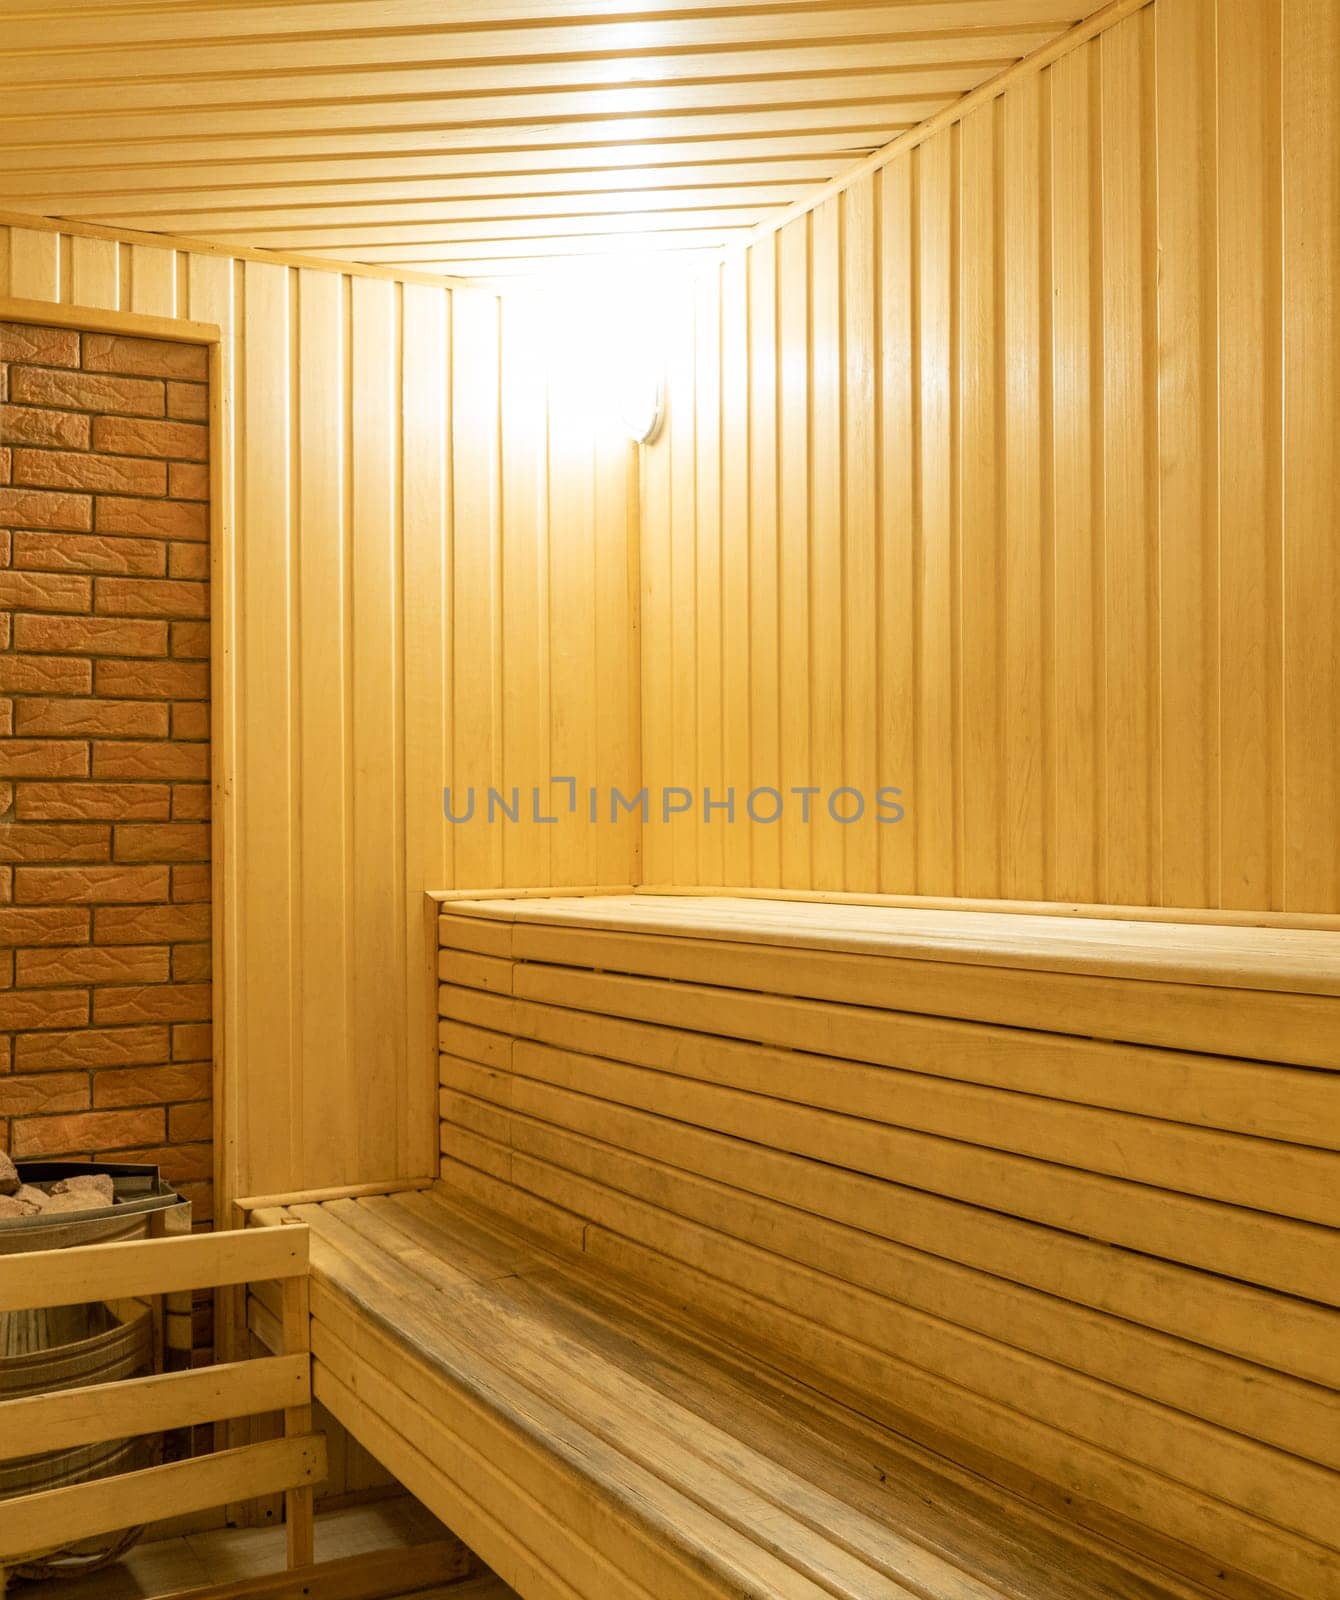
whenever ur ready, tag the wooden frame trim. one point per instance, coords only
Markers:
(134, 324)
(351, 1191)
(551, 892)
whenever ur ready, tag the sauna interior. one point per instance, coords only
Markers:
(670, 799)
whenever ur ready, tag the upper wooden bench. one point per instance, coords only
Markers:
(812, 1250)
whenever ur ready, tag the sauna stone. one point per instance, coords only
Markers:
(32, 1196)
(11, 1207)
(94, 1183)
(9, 1175)
(75, 1200)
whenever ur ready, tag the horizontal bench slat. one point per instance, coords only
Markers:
(1269, 1330)
(455, 1487)
(858, 1314)
(715, 1494)
(1300, 1417)
(1298, 1258)
(1060, 1195)
(1263, 1099)
(56, 1517)
(101, 1412)
(525, 1441)
(149, 1267)
(1298, 1028)
(1241, 1169)
(903, 1400)
(535, 1335)
(1303, 960)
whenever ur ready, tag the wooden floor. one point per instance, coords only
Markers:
(227, 1555)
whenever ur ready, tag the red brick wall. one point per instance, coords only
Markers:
(104, 753)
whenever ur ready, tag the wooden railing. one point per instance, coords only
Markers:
(53, 1518)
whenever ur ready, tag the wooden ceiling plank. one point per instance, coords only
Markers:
(473, 230)
(479, 137)
(549, 117)
(97, 24)
(266, 234)
(483, 171)
(417, 202)
(342, 92)
(353, 241)
(452, 258)
(488, 161)
(202, 58)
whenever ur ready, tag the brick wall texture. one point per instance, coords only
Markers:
(104, 751)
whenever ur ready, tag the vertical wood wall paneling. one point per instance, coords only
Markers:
(322, 666)
(618, 703)
(1023, 399)
(763, 705)
(1077, 504)
(361, 663)
(1186, 67)
(210, 287)
(574, 694)
(34, 264)
(95, 273)
(827, 533)
(707, 571)
(269, 1137)
(859, 441)
(527, 759)
(897, 501)
(1311, 250)
(1129, 665)
(795, 463)
(476, 625)
(1251, 423)
(379, 798)
(426, 586)
(681, 706)
(1100, 577)
(153, 280)
(935, 173)
(980, 568)
(736, 534)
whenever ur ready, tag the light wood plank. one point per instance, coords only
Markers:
(1250, 403)
(377, 915)
(54, 1517)
(152, 1266)
(1188, 422)
(95, 273)
(153, 280)
(73, 1418)
(1311, 247)
(323, 669)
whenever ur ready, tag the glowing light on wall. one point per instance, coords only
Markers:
(603, 349)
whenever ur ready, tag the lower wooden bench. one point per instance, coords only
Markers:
(589, 1441)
